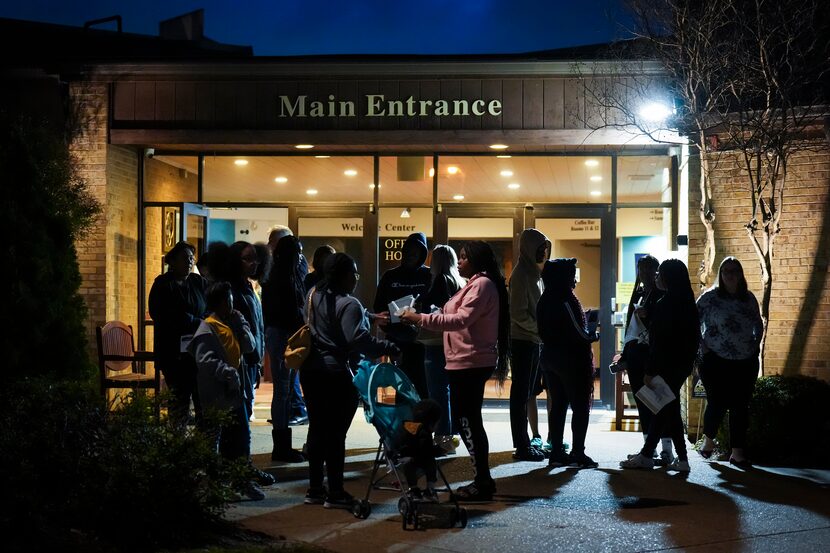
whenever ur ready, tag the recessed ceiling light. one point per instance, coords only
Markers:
(596, 178)
(596, 193)
(350, 172)
(452, 169)
(499, 146)
(304, 146)
(504, 157)
(281, 180)
(320, 157)
(431, 172)
(311, 192)
(458, 197)
(241, 162)
(591, 163)
(514, 185)
(506, 173)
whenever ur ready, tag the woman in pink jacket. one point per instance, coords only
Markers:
(476, 325)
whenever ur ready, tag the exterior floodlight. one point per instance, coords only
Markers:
(655, 113)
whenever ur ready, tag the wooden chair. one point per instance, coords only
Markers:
(622, 388)
(120, 364)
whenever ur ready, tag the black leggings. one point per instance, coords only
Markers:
(667, 422)
(729, 385)
(574, 388)
(466, 399)
(412, 365)
(524, 365)
(331, 400)
(181, 380)
(635, 356)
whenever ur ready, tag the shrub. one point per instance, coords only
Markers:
(45, 208)
(788, 422)
(72, 470)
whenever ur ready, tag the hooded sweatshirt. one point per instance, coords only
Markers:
(526, 287)
(562, 324)
(404, 281)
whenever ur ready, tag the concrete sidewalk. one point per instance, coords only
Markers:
(716, 508)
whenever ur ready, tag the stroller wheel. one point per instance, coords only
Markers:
(362, 509)
(403, 505)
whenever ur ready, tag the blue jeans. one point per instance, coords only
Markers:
(438, 384)
(298, 408)
(275, 342)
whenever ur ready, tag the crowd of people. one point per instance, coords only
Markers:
(215, 326)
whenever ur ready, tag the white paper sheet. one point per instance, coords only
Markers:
(657, 395)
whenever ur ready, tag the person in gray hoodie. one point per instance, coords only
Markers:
(219, 346)
(525, 291)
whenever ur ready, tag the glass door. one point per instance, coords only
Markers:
(587, 234)
(348, 229)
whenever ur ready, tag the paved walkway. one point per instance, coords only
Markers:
(716, 508)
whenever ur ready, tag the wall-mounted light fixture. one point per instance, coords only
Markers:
(406, 213)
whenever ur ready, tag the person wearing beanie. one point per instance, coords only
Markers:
(413, 278)
(525, 291)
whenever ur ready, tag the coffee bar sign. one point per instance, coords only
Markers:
(378, 105)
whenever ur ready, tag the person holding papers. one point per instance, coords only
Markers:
(410, 278)
(674, 337)
(476, 325)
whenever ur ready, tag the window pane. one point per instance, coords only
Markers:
(406, 180)
(288, 179)
(171, 179)
(541, 179)
(643, 179)
(642, 231)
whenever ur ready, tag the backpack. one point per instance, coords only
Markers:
(299, 345)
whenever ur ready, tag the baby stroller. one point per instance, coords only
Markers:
(388, 398)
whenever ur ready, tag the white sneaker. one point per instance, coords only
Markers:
(679, 466)
(639, 461)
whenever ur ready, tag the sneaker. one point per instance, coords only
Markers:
(253, 492)
(679, 466)
(342, 500)
(559, 459)
(315, 496)
(447, 444)
(430, 495)
(528, 454)
(537, 443)
(580, 460)
(639, 461)
(263, 478)
(475, 492)
(298, 420)
(666, 458)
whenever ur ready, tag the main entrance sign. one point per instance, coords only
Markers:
(377, 105)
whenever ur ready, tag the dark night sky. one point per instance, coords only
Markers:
(360, 27)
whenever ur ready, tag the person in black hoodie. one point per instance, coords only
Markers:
(413, 278)
(567, 360)
(674, 338)
(283, 301)
(177, 305)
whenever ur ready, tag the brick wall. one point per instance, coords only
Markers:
(122, 235)
(799, 326)
(90, 149)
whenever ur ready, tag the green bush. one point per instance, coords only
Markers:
(789, 423)
(74, 474)
(45, 207)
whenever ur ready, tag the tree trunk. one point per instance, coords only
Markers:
(764, 254)
(707, 217)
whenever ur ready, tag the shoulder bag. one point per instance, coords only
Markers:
(299, 345)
